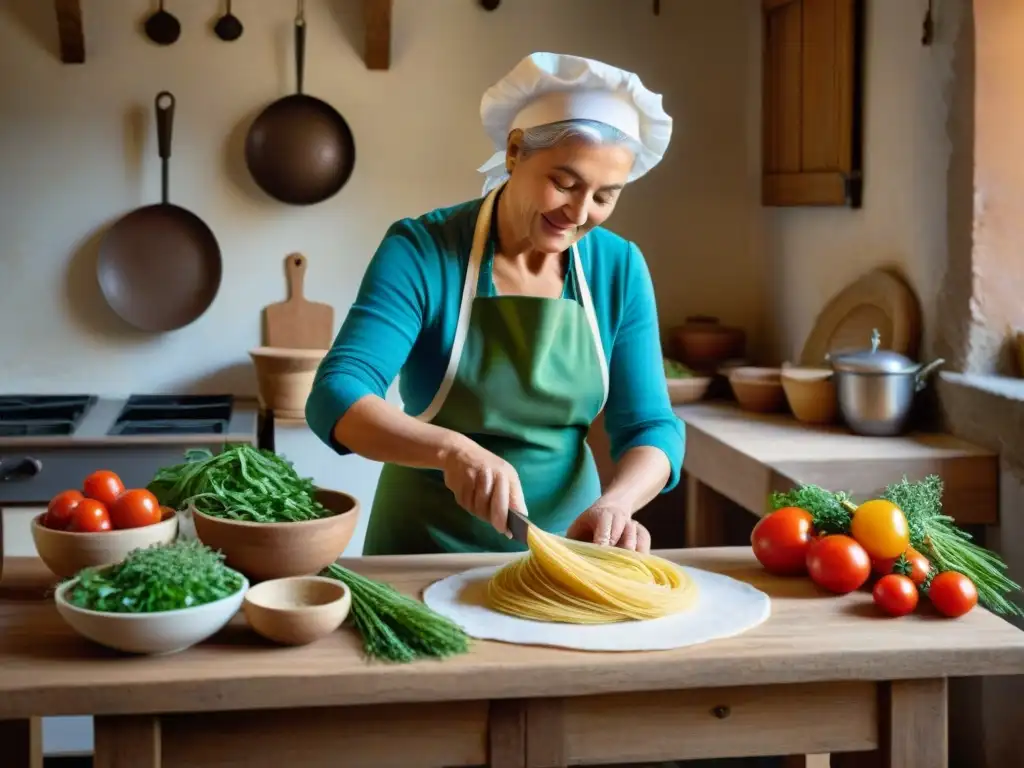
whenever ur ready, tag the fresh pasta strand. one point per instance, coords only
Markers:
(574, 582)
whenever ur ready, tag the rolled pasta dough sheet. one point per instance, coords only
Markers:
(725, 608)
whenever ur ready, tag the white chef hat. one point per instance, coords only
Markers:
(550, 87)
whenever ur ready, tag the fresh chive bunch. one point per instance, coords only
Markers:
(395, 627)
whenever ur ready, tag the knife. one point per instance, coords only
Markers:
(518, 526)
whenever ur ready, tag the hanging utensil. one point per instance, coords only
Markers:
(162, 27)
(298, 323)
(228, 26)
(160, 265)
(300, 150)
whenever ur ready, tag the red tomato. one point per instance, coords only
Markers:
(952, 594)
(895, 594)
(104, 486)
(919, 565)
(780, 541)
(134, 509)
(90, 517)
(61, 509)
(838, 563)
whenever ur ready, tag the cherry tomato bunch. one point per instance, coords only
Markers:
(102, 504)
(786, 544)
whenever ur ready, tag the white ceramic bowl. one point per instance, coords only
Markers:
(150, 633)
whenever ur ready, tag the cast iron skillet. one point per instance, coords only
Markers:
(300, 150)
(160, 266)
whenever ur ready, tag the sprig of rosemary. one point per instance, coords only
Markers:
(395, 627)
(240, 483)
(932, 533)
(166, 577)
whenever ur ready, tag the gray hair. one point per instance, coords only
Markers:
(546, 136)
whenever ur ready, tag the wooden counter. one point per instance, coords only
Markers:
(823, 674)
(744, 456)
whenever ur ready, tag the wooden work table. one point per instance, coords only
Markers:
(742, 457)
(823, 674)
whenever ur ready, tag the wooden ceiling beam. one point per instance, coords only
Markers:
(69, 29)
(377, 19)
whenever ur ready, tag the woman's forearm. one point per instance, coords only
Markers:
(640, 475)
(377, 430)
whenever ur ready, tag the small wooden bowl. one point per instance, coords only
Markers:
(67, 552)
(811, 394)
(758, 389)
(297, 610)
(284, 377)
(265, 551)
(687, 390)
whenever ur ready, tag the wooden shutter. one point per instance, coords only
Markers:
(811, 102)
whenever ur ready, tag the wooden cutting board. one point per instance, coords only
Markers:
(297, 323)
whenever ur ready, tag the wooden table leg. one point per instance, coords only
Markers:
(21, 742)
(506, 734)
(127, 741)
(706, 509)
(918, 733)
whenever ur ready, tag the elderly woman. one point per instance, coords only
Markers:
(514, 319)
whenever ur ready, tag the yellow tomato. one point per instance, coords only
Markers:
(881, 528)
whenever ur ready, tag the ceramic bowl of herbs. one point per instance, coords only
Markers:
(252, 505)
(158, 600)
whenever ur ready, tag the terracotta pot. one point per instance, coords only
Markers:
(811, 394)
(758, 389)
(285, 378)
(704, 341)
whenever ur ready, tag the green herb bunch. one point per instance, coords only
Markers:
(164, 577)
(240, 483)
(932, 533)
(395, 627)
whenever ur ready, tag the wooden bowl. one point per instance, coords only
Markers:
(149, 633)
(811, 394)
(703, 340)
(265, 551)
(758, 389)
(297, 610)
(687, 390)
(67, 552)
(284, 377)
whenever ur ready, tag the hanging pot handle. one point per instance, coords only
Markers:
(921, 375)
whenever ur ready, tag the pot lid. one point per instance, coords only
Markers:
(873, 360)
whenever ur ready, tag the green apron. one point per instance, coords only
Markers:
(526, 378)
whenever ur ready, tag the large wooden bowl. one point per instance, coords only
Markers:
(264, 551)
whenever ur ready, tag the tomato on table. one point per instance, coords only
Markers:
(895, 594)
(881, 528)
(838, 563)
(104, 486)
(135, 509)
(90, 516)
(919, 566)
(780, 540)
(61, 509)
(952, 594)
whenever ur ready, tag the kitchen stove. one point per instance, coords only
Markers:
(49, 443)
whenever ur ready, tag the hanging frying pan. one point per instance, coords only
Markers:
(160, 265)
(300, 150)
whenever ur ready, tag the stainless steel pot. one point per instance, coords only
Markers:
(876, 388)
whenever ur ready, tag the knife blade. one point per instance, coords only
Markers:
(518, 526)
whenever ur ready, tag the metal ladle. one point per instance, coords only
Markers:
(228, 27)
(162, 27)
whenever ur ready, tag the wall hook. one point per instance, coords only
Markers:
(928, 33)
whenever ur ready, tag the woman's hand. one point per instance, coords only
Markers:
(606, 524)
(484, 484)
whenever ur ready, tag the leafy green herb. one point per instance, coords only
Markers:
(676, 370)
(240, 483)
(165, 577)
(932, 533)
(395, 627)
(831, 511)
(948, 547)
